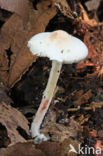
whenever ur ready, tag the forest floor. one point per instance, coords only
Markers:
(75, 116)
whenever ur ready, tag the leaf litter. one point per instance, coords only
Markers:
(75, 116)
(14, 37)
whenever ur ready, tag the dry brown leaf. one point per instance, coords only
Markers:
(3, 96)
(92, 5)
(21, 149)
(65, 147)
(77, 94)
(50, 148)
(83, 98)
(11, 118)
(17, 6)
(60, 132)
(14, 37)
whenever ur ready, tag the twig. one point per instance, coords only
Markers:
(94, 105)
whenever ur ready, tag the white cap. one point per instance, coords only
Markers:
(59, 46)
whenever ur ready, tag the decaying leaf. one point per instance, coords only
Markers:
(17, 6)
(60, 132)
(3, 96)
(66, 147)
(13, 120)
(13, 42)
(21, 149)
(50, 148)
(92, 5)
(83, 98)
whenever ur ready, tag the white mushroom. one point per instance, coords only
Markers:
(60, 47)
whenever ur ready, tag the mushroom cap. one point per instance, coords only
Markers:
(59, 46)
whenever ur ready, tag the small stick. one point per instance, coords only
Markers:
(92, 107)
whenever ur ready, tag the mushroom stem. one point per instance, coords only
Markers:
(47, 97)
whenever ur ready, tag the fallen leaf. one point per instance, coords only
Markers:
(3, 96)
(21, 149)
(13, 42)
(83, 98)
(13, 120)
(77, 94)
(60, 132)
(50, 148)
(4, 139)
(66, 147)
(17, 6)
(92, 5)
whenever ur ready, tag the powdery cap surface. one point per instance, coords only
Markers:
(59, 46)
